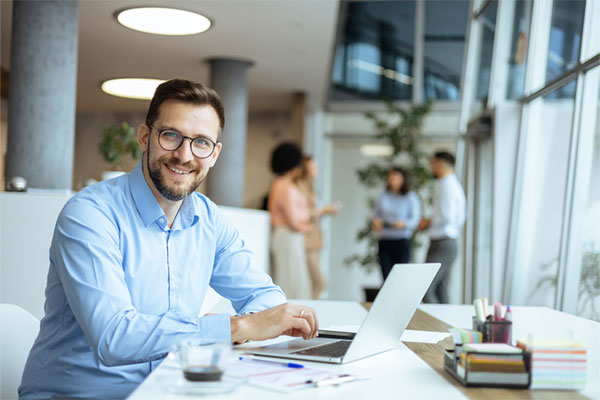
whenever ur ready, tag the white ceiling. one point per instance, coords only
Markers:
(290, 43)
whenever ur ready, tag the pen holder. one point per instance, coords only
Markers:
(494, 331)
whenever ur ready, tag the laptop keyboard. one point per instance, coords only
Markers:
(334, 349)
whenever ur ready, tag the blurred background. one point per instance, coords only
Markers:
(514, 86)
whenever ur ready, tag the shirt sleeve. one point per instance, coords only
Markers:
(377, 211)
(448, 205)
(236, 275)
(85, 252)
(414, 211)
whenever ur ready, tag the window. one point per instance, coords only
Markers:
(518, 53)
(445, 29)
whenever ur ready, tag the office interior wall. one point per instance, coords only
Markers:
(89, 127)
(266, 129)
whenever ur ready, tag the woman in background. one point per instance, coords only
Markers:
(289, 221)
(313, 239)
(397, 213)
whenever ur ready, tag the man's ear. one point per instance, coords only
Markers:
(143, 134)
(215, 154)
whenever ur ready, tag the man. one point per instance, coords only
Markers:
(445, 223)
(131, 260)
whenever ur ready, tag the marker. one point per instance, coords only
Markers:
(508, 314)
(479, 309)
(498, 311)
(485, 302)
(284, 364)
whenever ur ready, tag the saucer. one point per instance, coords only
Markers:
(182, 386)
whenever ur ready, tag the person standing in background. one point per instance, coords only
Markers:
(313, 239)
(448, 217)
(289, 221)
(397, 213)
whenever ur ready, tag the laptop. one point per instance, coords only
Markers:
(381, 329)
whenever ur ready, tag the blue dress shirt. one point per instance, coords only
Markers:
(392, 207)
(123, 288)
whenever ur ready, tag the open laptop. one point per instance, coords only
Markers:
(381, 329)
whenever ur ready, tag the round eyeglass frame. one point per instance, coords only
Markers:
(183, 137)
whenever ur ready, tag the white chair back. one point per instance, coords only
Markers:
(18, 330)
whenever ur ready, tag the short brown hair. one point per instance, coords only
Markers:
(188, 92)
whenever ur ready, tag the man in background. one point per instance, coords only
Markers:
(448, 217)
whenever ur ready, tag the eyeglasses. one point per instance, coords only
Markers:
(171, 140)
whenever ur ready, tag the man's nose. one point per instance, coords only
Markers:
(184, 152)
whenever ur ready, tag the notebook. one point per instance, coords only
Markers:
(381, 329)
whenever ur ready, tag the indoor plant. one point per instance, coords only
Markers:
(118, 140)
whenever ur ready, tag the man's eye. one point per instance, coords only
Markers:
(170, 134)
(201, 142)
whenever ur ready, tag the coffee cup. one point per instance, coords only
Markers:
(201, 361)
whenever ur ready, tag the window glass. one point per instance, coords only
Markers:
(565, 38)
(518, 52)
(541, 212)
(589, 287)
(445, 29)
(374, 56)
(488, 28)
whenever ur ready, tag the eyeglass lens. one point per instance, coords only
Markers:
(171, 140)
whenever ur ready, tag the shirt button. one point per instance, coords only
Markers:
(162, 220)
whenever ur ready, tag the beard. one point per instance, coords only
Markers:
(173, 192)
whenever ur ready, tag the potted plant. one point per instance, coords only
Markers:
(403, 138)
(118, 140)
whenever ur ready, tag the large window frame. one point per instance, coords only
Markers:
(586, 74)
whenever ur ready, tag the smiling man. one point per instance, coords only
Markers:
(131, 260)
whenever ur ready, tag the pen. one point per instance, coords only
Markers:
(332, 381)
(285, 364)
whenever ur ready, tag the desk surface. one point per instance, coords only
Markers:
(413, 369)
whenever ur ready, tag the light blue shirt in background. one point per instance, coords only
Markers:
(123, 288)
(392, 207)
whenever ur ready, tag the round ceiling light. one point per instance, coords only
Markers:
(132, 88)
(163, 21)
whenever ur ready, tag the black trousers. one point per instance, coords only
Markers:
(443, 251)
(393, 251)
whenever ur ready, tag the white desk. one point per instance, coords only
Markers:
(400, 373)
(392, 374)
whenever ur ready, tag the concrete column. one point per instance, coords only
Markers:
(43, 76)
(225, 183)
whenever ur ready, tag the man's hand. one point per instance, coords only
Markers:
(377, 225)
(285, 319)
(424, 223)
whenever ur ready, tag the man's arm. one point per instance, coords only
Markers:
(85, 252)
(237, 277)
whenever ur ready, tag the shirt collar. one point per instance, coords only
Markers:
(148, 206)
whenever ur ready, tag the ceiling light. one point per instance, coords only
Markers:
(376, 150)
(132, 88)
(163, 21)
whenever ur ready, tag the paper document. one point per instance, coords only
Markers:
(277, 376)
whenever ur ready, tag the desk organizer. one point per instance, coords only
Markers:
(494, 331)
(496, 379)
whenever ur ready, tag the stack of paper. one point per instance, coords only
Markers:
(556, 364)
(492, 364)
